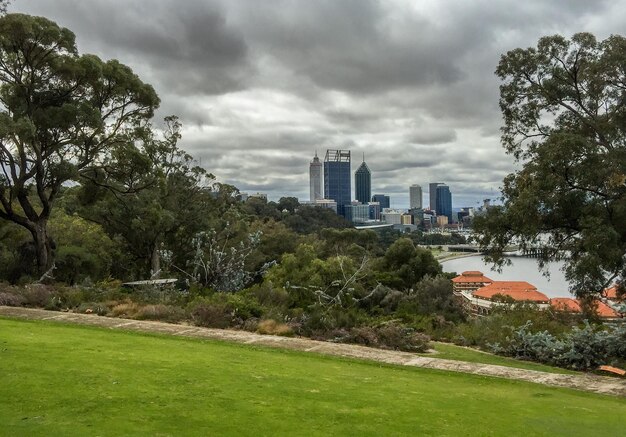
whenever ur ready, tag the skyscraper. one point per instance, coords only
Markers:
(444, 202)
(337, 178)
(382, 199)
(315, 179)
(363, 183)
(432, 193)
(415, 196)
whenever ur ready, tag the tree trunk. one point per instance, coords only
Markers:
(155, 263)
(43, 246)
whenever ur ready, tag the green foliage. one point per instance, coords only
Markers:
(389, 336)
(404, 264)
(494, 328)
(63, 117)
(223, 310)
(563, 104)
(581, 348)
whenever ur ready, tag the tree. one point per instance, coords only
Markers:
(564, 107)
(403, 265)
(61, 117)
(166, 214)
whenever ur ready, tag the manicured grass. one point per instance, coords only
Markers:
(71, 380)
(453, 352)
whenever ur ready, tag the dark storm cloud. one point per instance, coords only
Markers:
(185, 47)
(259, 86)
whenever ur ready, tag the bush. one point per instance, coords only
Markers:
(100, 308)
(165, 313)
(210, 315)
(389, 336)
(580, 349)
(126, 310)
(37, 295)
(10, 299)
(272, 327)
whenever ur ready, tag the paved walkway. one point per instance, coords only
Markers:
(587, 382)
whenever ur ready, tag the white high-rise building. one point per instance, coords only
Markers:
(415, 196)
(315, 179)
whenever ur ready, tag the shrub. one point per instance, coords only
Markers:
(126, 309)
(580, 349)
(210, 315)
(389, 336)
(10, 299)
(166, 313)
(272, 327)
(37, 295)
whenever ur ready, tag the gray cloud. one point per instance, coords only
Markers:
(259, 86)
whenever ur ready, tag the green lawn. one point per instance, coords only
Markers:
(454, 352)
(70, 380)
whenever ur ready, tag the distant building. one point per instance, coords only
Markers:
(315, 179)
(406, 219)
(418, 216)
(337, 180)
(357, 213)
(574, 306)
(374, 210)
(363, 183)
(392, 216)
(383, 200)
(481, 300)
(443, 201)
(326, 203)
(261, 196)
(432, 194)
(415, 196)
(442, 221)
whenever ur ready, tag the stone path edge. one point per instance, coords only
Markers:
(586, 382)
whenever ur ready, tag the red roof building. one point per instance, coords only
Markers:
(611, 293)
(469, 281)
(519, 291)
(570, 305)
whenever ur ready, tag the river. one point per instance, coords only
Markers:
(522, 269)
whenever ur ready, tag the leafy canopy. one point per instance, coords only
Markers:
(564, 108)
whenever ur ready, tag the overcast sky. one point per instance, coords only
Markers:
(261, 85)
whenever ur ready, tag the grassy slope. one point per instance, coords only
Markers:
(71, 380)
(453, 352)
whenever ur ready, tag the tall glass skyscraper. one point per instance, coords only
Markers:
(382, 199)
(337, 178)
(432, 194)
(415, 197)
(315, 179)
(443, 204)
(363, 183)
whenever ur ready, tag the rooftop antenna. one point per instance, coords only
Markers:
(363, 156)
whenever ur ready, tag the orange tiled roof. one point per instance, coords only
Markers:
(518, 290)
(611, 292)
(573, 306)
(472, 276)
(606, 311)
(565, 304)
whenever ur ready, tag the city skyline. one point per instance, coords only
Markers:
(409, 82)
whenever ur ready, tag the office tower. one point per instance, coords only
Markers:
(382, 199)
(415, 196)
(363, 183)
(337, 178)
(315, 179)
(444, 202)
(432, 193)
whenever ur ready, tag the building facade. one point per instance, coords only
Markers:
(382, 200)
(432, 195)
(415, 197)
(315, 179)
(357, 213)
(443, 202)
(337, 178)
(363, 183)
